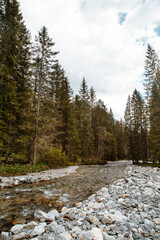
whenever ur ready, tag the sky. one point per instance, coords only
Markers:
(104, 41)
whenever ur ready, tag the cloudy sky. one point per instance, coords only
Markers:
(103, 40)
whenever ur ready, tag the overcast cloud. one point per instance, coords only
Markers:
(103, 40)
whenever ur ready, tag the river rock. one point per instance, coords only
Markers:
(107, 220)
(96, 234)
(38, 230)
(123, 210)
(4, 235)
(17, 228)
(31, 225)
(65, 236)
(70, 216)
(19, 236)
(156, 220)
(86, 235)
(55, 213)
(94, 220)
(42, 215)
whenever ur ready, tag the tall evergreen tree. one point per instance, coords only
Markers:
(15, 93)
(85, 129)
(151, 66)
(152, 87)
(136, 127)
(62, 94)
(43, 61)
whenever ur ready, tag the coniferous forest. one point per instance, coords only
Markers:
(41, 120)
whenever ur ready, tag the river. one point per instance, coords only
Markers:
(18, 204)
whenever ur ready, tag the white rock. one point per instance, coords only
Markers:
(50, 238)
(106, 220)
(96, 234)
(148, 222)
(55, 213)
(64, 209)
(40, 215)
(75, 229)
(17, 228)
(115, 217)
(156, 220)
(94, 220)
(31, 225)
(65, 236)
(19, 236)
(38, 230)
(95, 205)
(148, 191)
(111, 205)
(4, 235)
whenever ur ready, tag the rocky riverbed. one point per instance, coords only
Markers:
(36, 177)
(19, 202)
(129, 208)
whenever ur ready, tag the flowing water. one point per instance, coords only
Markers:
(18, 204)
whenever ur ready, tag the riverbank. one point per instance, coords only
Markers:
(127, 209)
(36, 177)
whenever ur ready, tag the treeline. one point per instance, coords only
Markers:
(142, 115)
(40, 118)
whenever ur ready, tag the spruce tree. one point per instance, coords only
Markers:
(85, 129)
(136, 127)
(152, 87)
(43, 60)
(15, 90)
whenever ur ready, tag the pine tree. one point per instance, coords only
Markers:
(85, 129)
(152, 87)
(155, 123)
(151, 66)
(105, 144)
(15, 93)
(43, 61)
(120, 139)
(136, 127)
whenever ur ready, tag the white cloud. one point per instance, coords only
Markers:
(92, 43)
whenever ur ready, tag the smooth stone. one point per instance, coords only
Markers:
(55, 213)
(94, 220)
(111, 205)
(42, 215)
(96, 234)
(17, 228)
(106, 220)
(38, 230)
(4, 235)
(65, 236)
(148, 191)
(70, 216)
(86, 235)
(64, 209)
(93, 205)
(156, 220)
(31, 225)
(19, 236)
(148, 222)
(79, 204)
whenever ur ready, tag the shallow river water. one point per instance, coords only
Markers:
(18, 204)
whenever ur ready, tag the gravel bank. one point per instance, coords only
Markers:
(127, 209)
(36, 177)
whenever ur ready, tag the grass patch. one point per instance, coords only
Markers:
(7, 170)
(148, 164)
